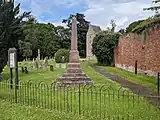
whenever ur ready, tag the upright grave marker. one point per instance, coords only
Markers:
(39, 54)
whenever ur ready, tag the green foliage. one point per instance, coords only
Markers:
(103, 47)
(10, 29)
(146, 24)
(64, 37)
(150, 22)
(25, 48)
(113, 24)
(45, 37)
(154, 8)
(133, 25)
(82, 28)
(60, 53)
(122, 31)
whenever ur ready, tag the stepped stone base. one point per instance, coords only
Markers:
(74, 76)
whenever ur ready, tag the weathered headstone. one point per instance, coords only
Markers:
(43, 67)
(46, 60)
(51, 67)
(31, 64)
(62, 59)
(22, 69)
(36, 64)
(63, 65)
(39, 54)
(57, 65)
(25, 70)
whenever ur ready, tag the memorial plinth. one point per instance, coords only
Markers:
(74, 74)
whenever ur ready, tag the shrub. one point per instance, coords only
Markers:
(103, 47)
(60, 53)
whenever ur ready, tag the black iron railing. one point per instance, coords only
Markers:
(93, 102)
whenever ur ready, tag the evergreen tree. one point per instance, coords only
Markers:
(10, 29)
(154, 8)
(82, 28)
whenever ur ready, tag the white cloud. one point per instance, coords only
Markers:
(100, 12)
(59, 24)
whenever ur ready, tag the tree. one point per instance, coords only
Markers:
(133, 25)
(143, 26)
(45, 37)
(60, 54)
(10, 29)
(25, 48)
(113, 24)
(154, 8)
(82, 28)
(103, 47)
(64, 37)
(122, 31)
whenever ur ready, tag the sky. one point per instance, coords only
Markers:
(98, 12)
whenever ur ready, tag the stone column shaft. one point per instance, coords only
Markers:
(74, 34)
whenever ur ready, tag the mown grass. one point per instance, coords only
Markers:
(10, 111)
(92, 102)
(36, 75)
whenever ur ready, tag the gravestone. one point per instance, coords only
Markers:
(74, 74)
(22, 69)
(36, 64)
(44, 64)
(31, 65)
(43, 67)
(51, 67)
(46, 60)
(25, 70)
(63, 59)
(39, 55)
(63, 65)
(57, 65)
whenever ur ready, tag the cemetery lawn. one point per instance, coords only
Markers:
(36, 75)
(91, 105)
(49, 77)
(10, 111)
(144, 80)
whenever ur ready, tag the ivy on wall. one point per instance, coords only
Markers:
(147, 25)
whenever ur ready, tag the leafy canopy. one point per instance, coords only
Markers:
(10, 29)
(59, 56)
(103, 47)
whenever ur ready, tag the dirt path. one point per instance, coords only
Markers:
(138, 89)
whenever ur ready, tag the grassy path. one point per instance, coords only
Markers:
(147, 81)
(135, 88)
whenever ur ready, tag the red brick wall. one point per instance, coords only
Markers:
(146, 52)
